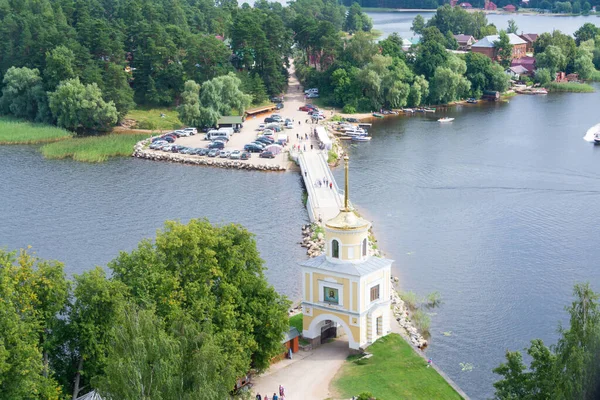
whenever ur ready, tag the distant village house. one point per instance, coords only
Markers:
(486, 46)
(464, 41)
(516, 72)
(527, 62)
(530, 38)
(490, 6)
(509, 8)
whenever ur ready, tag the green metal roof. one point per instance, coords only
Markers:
(232, 119)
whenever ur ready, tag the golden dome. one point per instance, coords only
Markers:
(347, 220)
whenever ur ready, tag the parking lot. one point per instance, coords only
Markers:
(293, 100)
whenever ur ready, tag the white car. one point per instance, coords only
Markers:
(261, 127)
(311, 90)
(181, 132)
(192, 131)
(224, 154)
(289, 125)
(235, 155)
(312, 95)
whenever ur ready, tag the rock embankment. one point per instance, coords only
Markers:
(314, 243)
(403, 317)
(140, 151)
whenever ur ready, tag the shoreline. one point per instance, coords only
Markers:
(525, 11)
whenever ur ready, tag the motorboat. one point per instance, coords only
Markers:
(472, 100)
(378, 115)
(597, 138)
(408, 110)
(446, 119)
(360, 138)
(430, 110)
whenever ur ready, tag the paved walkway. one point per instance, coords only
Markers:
(307, 376)
(324, 197)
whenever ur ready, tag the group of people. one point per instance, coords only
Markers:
(274, 397)
(325, 182)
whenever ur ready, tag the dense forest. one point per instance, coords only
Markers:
(118, 53)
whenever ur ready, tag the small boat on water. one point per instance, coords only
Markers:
(597, 138)
(446, 119)
(360, 138)
(429, 109)
(472, 100)
(377, 115)
(408, 110)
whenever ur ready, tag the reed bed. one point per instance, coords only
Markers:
(14, 131)
(92, 149)
(570, 87)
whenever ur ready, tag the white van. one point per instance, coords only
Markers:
(311, 90)
(214, 133)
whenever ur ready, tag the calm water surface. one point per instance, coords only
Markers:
(401, 22)
(84, 214)
(498, 211)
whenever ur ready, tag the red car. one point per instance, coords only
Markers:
(307, 107)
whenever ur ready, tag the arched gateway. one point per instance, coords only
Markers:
(346, 286)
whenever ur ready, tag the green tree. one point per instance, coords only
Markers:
(418, 91)
(147, 360)
(117, 89)
(431, 53)
(189, 110)
(23, 95)
(97, 307)
(80, 108)
(585, 9)
(552, 59)
(542, 76)
(392, 46)
(60, 66)
(33, 292)
(448, 85)
(356, 20)
(224, 94)
(586, 32)
(215, 276)
(512, 27)
(584, 65)
(504, 49)
(570, 370)
(418, 24)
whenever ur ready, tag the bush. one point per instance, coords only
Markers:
(332, 157)
(421, 321)
(349, 109)
(410, 298)
(434, 299)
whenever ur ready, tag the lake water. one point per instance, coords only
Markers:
(84, 214)
(498, 211)
(388, 23)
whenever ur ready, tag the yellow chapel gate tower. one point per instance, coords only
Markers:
(346, 287)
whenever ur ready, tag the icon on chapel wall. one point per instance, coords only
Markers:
(331, 295)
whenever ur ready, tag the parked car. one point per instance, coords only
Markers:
(267, 154)
(279, 106)
(245, 155)
(261, 127)
(269, 120)
(192, 131)
(289, 125)
(259, 144)
(276, 99)
(198, 152)
(167, 147)
(312, 96)
(216, 145)
(311, 90)
(203, 152)
(180, 133)
(276, 117)
(235, 155)
(168, 138)
(224, 154)
(252, 148)
(177, 148)
(267, 141)
(213, 153)
(185, 150)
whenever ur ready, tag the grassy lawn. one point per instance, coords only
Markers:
(394, 371)
(14, 131)
(92, 148)
(149, 118)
